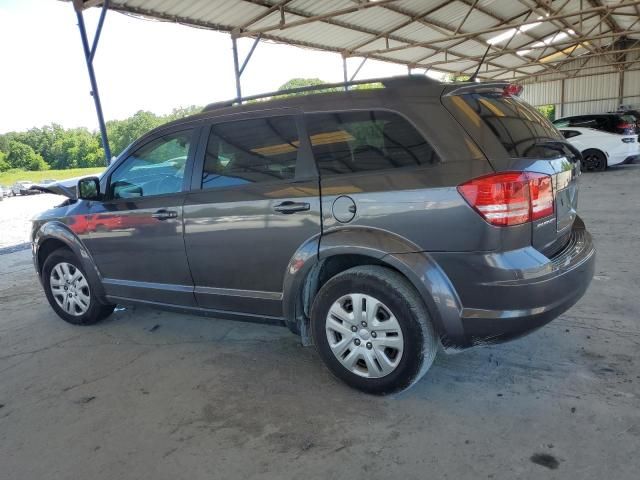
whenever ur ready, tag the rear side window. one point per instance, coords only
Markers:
(366, 141)
(599, 123)
(570, 133)
(519, 127)
(250, 151)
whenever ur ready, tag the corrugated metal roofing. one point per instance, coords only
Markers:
(438, 34)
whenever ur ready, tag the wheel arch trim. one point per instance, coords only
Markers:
(430, 281)
(60, 232)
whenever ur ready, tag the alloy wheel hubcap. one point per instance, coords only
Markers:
(70, 289)
(364, 335)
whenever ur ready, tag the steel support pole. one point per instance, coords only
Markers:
(344, 72)
(248, 57)
(236, 68)
(358, 69)
(88, 55)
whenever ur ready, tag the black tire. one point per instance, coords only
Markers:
(420, 342)
(593, 159)
(96, 310)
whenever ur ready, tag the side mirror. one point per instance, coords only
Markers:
(89, 188)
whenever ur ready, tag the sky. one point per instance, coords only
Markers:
(140, 65)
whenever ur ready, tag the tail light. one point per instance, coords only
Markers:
(510, 198)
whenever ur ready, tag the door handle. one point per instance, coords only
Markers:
(292, 207)
(164, 214)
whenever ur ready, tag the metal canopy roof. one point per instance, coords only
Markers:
(524, 37)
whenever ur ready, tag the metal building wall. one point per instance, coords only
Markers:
(632, 88)
(590, 87)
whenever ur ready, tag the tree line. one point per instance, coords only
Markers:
(55, 147)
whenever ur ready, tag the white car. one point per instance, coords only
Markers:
(602, 149)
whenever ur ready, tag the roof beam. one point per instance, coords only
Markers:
(564, 60)
(445, 29)
(611, 23)
(390, 31)
(508, 26)
(266, 13)
(515, 50)
(316, 18)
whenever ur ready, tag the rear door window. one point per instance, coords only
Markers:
(519, 127)
(366, 141)
(251, 151)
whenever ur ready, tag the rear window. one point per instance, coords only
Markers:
(519, 127)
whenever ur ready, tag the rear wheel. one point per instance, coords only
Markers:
(69, 292)
(372, 330)
(593, 159)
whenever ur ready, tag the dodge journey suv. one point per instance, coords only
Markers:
(379, 224)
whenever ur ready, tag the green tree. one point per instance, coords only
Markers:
(548, 111)
(4, 143)
(23, 156)
(77, 148)
(304, 82)
(182, 112)
(122, 132)
(4, 165)
(453, 78)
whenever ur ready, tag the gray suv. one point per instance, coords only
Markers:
(378, 224)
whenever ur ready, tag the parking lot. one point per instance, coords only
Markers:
(150, 394)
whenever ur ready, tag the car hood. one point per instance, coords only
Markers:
(66, 187)
(63, 187)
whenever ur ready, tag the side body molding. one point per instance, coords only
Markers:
(56, 230)
(383, 247)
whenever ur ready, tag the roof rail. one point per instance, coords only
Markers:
(388, 82)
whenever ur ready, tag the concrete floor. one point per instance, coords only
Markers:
(157, 395)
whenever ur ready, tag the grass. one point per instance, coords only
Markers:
(10, 177)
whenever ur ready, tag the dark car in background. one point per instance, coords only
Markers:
(623, 123)
(377, 224)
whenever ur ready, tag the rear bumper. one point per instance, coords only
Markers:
(509, 294)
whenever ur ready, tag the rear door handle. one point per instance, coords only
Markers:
(292, 207)
(164, 214)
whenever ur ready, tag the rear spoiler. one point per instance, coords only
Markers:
(504, 88)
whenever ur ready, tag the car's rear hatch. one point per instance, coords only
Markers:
(515, 136)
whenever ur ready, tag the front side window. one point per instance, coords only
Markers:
(365, 141)
(156, 168)
(250, 151)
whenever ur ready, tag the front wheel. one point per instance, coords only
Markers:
(372, 330)
(69, 292)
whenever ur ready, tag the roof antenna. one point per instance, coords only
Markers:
(473, 77)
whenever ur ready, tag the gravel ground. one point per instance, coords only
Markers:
(16, 214)
(156, 395)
